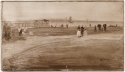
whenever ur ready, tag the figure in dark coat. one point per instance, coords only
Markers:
(20, 33)
(82, 30)
(78, 28)
(99, 27)
(105, 27)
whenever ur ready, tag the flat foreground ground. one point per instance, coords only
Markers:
(102, 51)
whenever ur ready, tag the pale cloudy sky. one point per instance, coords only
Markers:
(98, 11)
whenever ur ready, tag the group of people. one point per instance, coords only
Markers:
(66, 25)
(81, 31)
(101, 28)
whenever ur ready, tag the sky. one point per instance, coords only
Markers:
(95, 11)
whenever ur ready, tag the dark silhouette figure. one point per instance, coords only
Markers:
(105, 27)
(99, 27)
(62, 25)
(20, 33)
(82, 30)
(51, 25)
(78, 27)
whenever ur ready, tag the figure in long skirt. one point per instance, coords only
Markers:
(78, 33)
(85, 32)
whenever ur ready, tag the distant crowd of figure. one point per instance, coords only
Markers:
(61, 26)
(81, 31)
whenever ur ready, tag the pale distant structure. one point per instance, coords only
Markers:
(29, 24)
(41, 23)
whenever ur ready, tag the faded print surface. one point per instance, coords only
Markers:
(62, 36)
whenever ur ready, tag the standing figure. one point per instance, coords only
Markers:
(82, 30)
(62, 25)
(99, 27)
(78, 33)
(95, 28)
(105, 26)
(85, 32)
(67, 25)
(20, 32)
(51, 25)
(90, 25)
(78, 28)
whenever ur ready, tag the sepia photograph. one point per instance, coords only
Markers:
(62, 35)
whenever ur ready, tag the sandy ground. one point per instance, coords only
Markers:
(92, 52)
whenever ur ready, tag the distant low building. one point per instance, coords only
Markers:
(28, 24)
(41, 23)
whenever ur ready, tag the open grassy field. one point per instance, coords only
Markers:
(62, 50)
(67, 31)
(48, 31)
